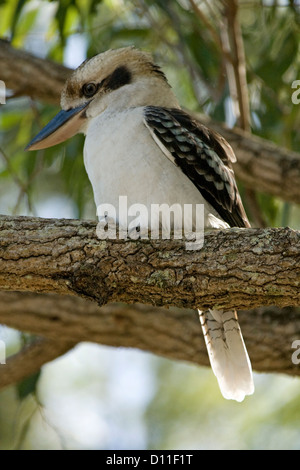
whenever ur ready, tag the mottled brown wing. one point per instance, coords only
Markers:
(203, 155)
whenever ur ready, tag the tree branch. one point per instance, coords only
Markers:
(27, 75)
(240, 268)
(261, 164)
(234, 41)
(237, 79)
(31, 358)
(173, 333)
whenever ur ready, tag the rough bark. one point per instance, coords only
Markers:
(241, 268)
(261, 164)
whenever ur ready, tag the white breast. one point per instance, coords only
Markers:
(122, 159)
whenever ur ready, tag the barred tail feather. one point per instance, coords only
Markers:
(227, 353)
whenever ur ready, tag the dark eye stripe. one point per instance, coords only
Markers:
(121, 76)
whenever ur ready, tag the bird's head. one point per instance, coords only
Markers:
(117, 79)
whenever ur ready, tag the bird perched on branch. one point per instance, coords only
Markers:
(141, 144)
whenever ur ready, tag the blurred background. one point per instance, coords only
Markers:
(98, 397)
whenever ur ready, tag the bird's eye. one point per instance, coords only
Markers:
(89, 89)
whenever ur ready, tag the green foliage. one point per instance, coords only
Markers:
(184, 43)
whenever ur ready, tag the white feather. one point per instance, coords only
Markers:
(227, 353)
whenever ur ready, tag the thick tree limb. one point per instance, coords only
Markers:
(173, 333)
(261, 164)
(27, 75)
(241, 268)
(30, 359)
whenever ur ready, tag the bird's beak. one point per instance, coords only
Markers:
(63, 126)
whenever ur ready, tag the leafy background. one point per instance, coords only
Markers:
(102, 398)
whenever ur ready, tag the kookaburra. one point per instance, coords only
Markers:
(140, 143)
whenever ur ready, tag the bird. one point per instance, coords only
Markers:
(139, 142)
